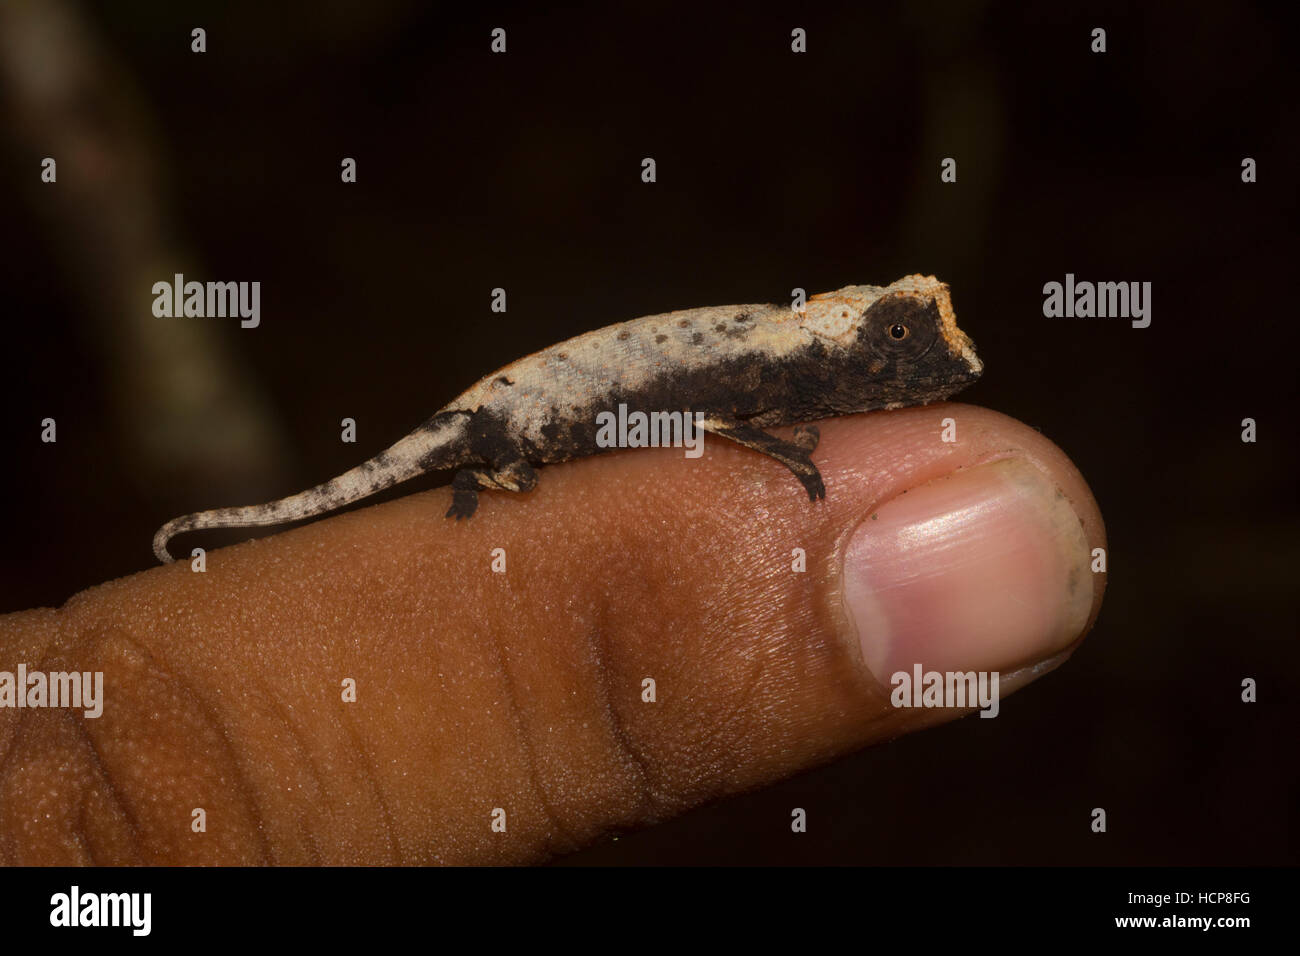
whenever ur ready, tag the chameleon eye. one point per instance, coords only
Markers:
(898, 331)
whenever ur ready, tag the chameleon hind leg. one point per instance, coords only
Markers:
(516, 475)
(795, 455)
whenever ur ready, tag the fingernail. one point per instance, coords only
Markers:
(985, 569)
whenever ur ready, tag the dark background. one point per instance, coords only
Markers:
(775, 170)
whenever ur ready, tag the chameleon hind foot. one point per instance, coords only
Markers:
(518, 476)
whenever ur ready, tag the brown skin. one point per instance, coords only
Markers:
(477, 690)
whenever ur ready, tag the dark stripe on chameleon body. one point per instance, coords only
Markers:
(819, 381)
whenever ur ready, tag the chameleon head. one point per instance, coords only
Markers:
(905, 328)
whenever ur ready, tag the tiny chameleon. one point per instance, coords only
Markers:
(744, 367)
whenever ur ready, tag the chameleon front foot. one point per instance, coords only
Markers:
(795, 455)
(813, 484)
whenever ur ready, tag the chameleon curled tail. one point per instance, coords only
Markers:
(409, 457)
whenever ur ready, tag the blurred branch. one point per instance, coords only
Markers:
(179, 402)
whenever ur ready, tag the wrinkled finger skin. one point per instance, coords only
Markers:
(480, 696)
